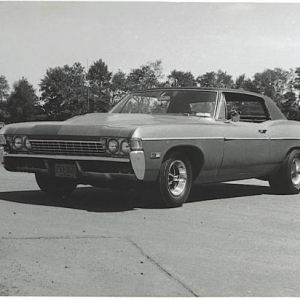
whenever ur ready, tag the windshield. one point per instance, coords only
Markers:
(201, 103)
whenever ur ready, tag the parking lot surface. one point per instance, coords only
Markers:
(230, 239)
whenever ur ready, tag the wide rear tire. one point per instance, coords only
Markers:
(175, 180)
(287, 180)
(53, 186)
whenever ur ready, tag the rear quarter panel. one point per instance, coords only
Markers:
(284, 136)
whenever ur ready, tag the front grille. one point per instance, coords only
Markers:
(75, 148)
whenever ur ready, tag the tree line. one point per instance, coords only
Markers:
(71, 90)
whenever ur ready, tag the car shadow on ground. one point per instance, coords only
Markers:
(226, 190)
(104, 200)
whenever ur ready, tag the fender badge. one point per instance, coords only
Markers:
(155, 155)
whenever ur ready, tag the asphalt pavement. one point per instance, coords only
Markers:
(230, 239)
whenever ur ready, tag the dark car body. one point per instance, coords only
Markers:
(218, 134)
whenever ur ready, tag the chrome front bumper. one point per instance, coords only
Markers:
(132, 168)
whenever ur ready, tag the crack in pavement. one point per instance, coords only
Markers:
(161, 268)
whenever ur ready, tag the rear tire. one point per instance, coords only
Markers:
(287, 180)
(175, 180)
(53, 186)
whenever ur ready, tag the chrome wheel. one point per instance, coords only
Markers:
(177, 178)
(295, 171)
(287, 179)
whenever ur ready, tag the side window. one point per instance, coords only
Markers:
(249, 108)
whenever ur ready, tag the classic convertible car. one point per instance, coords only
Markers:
(172, 138)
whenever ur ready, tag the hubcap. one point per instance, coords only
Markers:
(295, 171)
(177, 178)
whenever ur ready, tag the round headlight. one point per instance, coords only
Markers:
(113, 146)
(125, 148)
(27, 144)
(18, 142)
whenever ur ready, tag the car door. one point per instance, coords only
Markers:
(246, 141)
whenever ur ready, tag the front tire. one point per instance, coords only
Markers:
(175, 180)
(53, 186)
(287, 180)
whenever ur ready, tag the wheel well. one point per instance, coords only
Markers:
(292, 149)
(193, 154)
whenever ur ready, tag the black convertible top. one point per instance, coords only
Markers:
(275, 112)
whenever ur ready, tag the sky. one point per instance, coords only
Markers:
(239, 38)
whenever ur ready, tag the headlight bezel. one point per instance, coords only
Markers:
(117, 146)
(21, 142)
(23, 145)
(124, 146)
(27, 144)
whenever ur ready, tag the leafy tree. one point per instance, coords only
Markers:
(64, 92)
(181, 79)
(224, 80)
(4, 88)
(208, 79)
(273, 83)
(145, 77)
(296, 82)
(118, 86)
(22, 102)
(4, 93)
(290, 107)
(4, 114)
(99, 78)
(212, 79)
(278, 84)
(245, 84)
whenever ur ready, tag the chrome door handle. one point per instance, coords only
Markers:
(262, 130)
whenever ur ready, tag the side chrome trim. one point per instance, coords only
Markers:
(183, 138)
(242, 139)
(115, 159)
(205, 138)
(219, 138)
(286, 138)
(138, 163)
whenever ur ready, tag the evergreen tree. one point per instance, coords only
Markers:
(99, 79)
(64, 92)
(4, 93)
(22, 102)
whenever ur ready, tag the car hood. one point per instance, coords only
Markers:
(97, 124)
(125, 120)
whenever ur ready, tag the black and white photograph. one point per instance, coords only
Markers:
(149, 149)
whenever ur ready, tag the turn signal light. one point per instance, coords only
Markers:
(136, 144)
